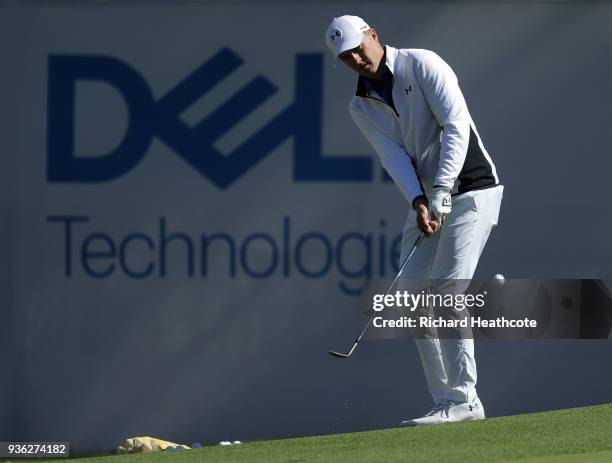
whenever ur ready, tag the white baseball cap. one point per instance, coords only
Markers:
(345, 33)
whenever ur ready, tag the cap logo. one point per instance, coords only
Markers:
(336, 35)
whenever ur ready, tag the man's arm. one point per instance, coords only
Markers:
(392, 156)
(442, 92)
(398, 164)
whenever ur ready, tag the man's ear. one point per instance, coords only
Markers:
(373, 34)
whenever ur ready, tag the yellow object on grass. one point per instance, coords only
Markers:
(146, 444)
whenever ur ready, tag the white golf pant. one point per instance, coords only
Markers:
(453, 253)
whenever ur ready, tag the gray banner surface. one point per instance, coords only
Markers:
(188, 213)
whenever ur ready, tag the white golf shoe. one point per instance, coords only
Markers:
(450, 412)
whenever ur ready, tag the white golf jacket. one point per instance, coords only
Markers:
(427, 137)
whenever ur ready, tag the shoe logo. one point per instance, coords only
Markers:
(471, 408)
(408, 89)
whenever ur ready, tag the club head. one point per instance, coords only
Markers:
(337, 354)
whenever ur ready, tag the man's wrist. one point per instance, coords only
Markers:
(445, 188)
(419, 200)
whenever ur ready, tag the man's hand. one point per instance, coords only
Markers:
(440, 203)
(425, 223)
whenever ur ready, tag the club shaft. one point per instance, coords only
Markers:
(367, 325)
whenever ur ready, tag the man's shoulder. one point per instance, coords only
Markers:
(356, 104)
(417, 54)
(414, 51)
(360, 108)
(421, 62)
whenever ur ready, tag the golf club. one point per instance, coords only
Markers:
(365, 328)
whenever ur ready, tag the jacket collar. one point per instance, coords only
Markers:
(363, 84)
(390, 57)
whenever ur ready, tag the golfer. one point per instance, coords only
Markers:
(409, 106)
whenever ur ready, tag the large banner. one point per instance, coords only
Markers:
(189, 214)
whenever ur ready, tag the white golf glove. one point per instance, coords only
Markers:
(440, 203)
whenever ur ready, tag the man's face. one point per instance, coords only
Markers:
(365, 59)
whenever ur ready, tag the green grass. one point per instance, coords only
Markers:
(564, 436)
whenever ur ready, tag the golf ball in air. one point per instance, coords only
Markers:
(499, 279)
